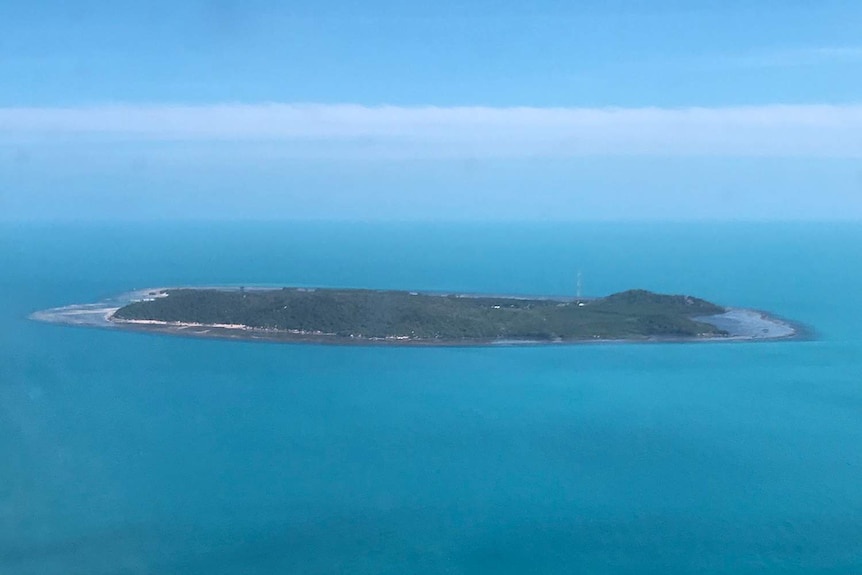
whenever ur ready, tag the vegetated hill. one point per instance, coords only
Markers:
(377, 314)
(638, 301)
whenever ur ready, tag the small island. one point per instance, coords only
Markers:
(367, 316)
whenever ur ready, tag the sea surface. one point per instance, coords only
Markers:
(132, 453)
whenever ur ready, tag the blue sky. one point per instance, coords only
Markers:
(440, 110)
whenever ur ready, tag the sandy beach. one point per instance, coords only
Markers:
(749, 324)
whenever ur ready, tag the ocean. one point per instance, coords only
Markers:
(133, 453)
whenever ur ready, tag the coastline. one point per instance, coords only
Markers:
(742, 325)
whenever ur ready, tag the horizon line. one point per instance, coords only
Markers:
(354, 130)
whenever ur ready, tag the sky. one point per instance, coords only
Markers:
(378, 110)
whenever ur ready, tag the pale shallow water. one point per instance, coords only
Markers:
(134, 453)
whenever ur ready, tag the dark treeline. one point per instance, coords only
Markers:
(380, 314)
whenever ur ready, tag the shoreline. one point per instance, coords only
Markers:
(744, 326)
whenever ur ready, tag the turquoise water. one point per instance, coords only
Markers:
(135, 453)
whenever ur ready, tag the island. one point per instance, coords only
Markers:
(394, 317)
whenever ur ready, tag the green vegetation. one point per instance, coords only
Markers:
(360, 314)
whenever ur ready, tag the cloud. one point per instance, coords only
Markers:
(322, 129)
